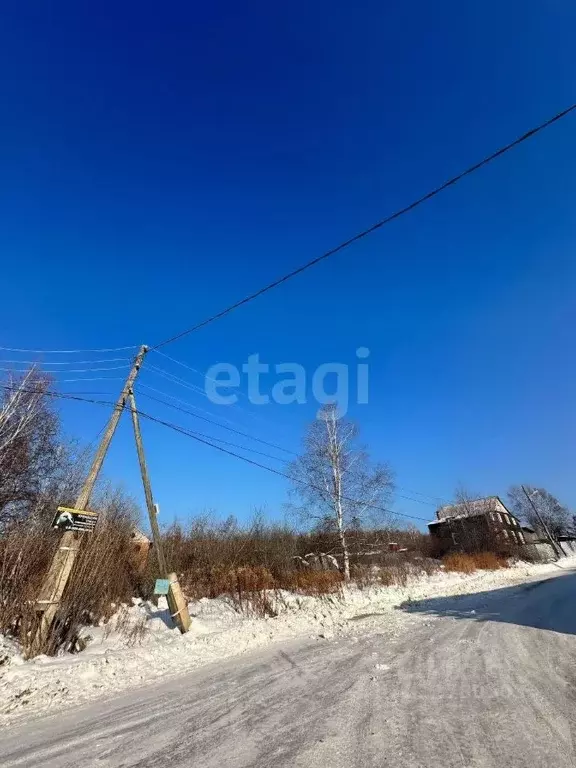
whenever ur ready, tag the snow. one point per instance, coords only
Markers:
(139, 645)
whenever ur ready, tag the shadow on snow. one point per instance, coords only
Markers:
(547, 604)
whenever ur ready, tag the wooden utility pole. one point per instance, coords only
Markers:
(557, 550)
(176, 602)
(63, 560)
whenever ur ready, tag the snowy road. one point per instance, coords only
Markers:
(480, 680)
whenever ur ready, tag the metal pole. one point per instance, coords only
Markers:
(558, 552)
(63, 560)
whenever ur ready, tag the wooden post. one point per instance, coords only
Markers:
(178, 605)
(176, 602)
(63, 560)
(147, 488)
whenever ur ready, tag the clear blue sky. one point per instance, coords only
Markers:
(159, 162)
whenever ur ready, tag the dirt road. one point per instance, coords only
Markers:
(481, 680)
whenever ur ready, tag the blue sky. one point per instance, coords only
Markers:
(159, 163)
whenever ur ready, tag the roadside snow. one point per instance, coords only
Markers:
(139, 645)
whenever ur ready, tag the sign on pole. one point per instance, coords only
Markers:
(68, 519)
(162, 587)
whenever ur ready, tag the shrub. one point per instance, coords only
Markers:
(488, 561)
(464, 563)
(312, 582)
(102, 575)
(460, 563)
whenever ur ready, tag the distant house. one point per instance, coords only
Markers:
(473, 526)
(141, 546)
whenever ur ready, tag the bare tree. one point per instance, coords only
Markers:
(29, 447)
(22, 404)
(555, 515)
(335, 482)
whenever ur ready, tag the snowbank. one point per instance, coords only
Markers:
(139, 645)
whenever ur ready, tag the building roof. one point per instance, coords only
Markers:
(458, 517)
(139, 536)
(471, 508)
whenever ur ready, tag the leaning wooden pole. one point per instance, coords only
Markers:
(63, 560)
(176, 602)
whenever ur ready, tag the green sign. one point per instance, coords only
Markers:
(162, 587)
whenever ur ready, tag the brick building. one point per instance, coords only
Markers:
(473, 526)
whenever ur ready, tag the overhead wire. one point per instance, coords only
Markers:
(203, 440)
(193, 387)
(141, 385)
(195, 370)
(222, 426)
(69, 396)
(93, 378)
(378, 225)
(65, 351)
(175, 379)
(191, 368)
(183, 431)
(179, 362)
(69, 370)
(265, 442)
(68, 362)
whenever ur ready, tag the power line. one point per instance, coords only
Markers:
(428, 196)
(193, 433)
(62, 395)
(68, 370)
(75, 396)
(419, 493)
(180, 400)
(271, 445)
(222, 426)
(190, 432)
(193, 387)
(194, 370)
(65, 351)
(69, 362)
(175, 379)
(201, 439)
(209, 378)
(183, 431)
(184, 365)
(94, 378)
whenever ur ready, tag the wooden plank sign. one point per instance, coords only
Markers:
(68, 519)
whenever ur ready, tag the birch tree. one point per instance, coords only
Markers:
(28, 444)
(556, 515)
(335, 483)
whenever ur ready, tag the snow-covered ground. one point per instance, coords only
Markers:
(139, 645)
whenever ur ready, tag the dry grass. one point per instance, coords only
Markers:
(102, 576)
(314, 582)
(250, 587)
(463, 563)
(249, 565)
(396, 573)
